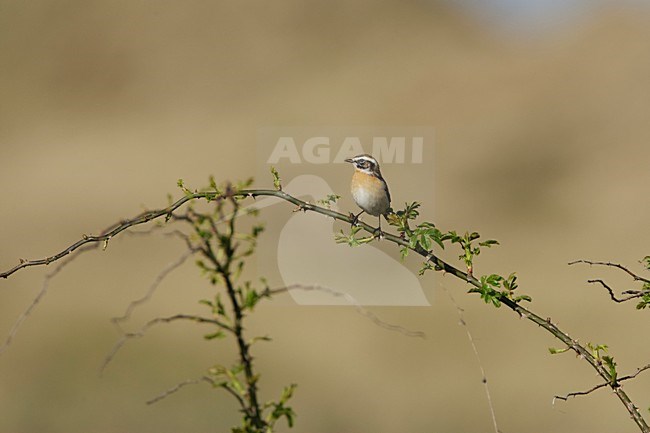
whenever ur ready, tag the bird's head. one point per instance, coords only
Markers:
(366, 164)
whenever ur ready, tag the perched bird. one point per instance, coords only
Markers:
(369, 189)
(364, 276)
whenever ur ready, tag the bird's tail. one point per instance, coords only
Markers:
(388, 213)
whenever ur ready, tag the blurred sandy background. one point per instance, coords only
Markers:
(542, 125)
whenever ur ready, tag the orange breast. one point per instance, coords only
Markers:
(369, 193)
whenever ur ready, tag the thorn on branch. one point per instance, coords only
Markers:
(303, 207)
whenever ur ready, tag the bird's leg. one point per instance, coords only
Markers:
(355, 218)
(378, 233)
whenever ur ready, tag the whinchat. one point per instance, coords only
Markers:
(369, 189)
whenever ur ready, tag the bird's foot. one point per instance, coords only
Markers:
(378, 234)
(355, 219)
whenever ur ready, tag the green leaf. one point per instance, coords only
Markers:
(426, 266)
(646, 261)
(219, 308)
(488, 289)
(181, 185)
(217, 334)
(244, 183)
(611, 367)
(261, 338)
(523, 298)
(411, 210)
(329, 200)
(277, 182)
(280, 409)
(251, 299)
(234, 381)
(596, 349)
(510, 283)
(206, 302)
(494, 279)
(555, 351)
(213, 185)
(351, 239)
(424, 235)
(401, 218)
(425, 241)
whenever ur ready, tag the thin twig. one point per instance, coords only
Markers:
(602, 385)
(113, 230)
(141, 332)
(463, 323)
(638, 371)
(612, 265)
(44, 288)
(437, 262)
(235, 394)
(177, 387)
(353, 302)
(634, 294)
(578, 393)
(611, 292)
(152, 288)
(145, 232)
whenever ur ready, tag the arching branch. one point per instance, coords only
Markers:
(430, 257)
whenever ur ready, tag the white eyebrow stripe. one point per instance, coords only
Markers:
(366, 158)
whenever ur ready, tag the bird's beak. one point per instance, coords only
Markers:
(349, 160)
